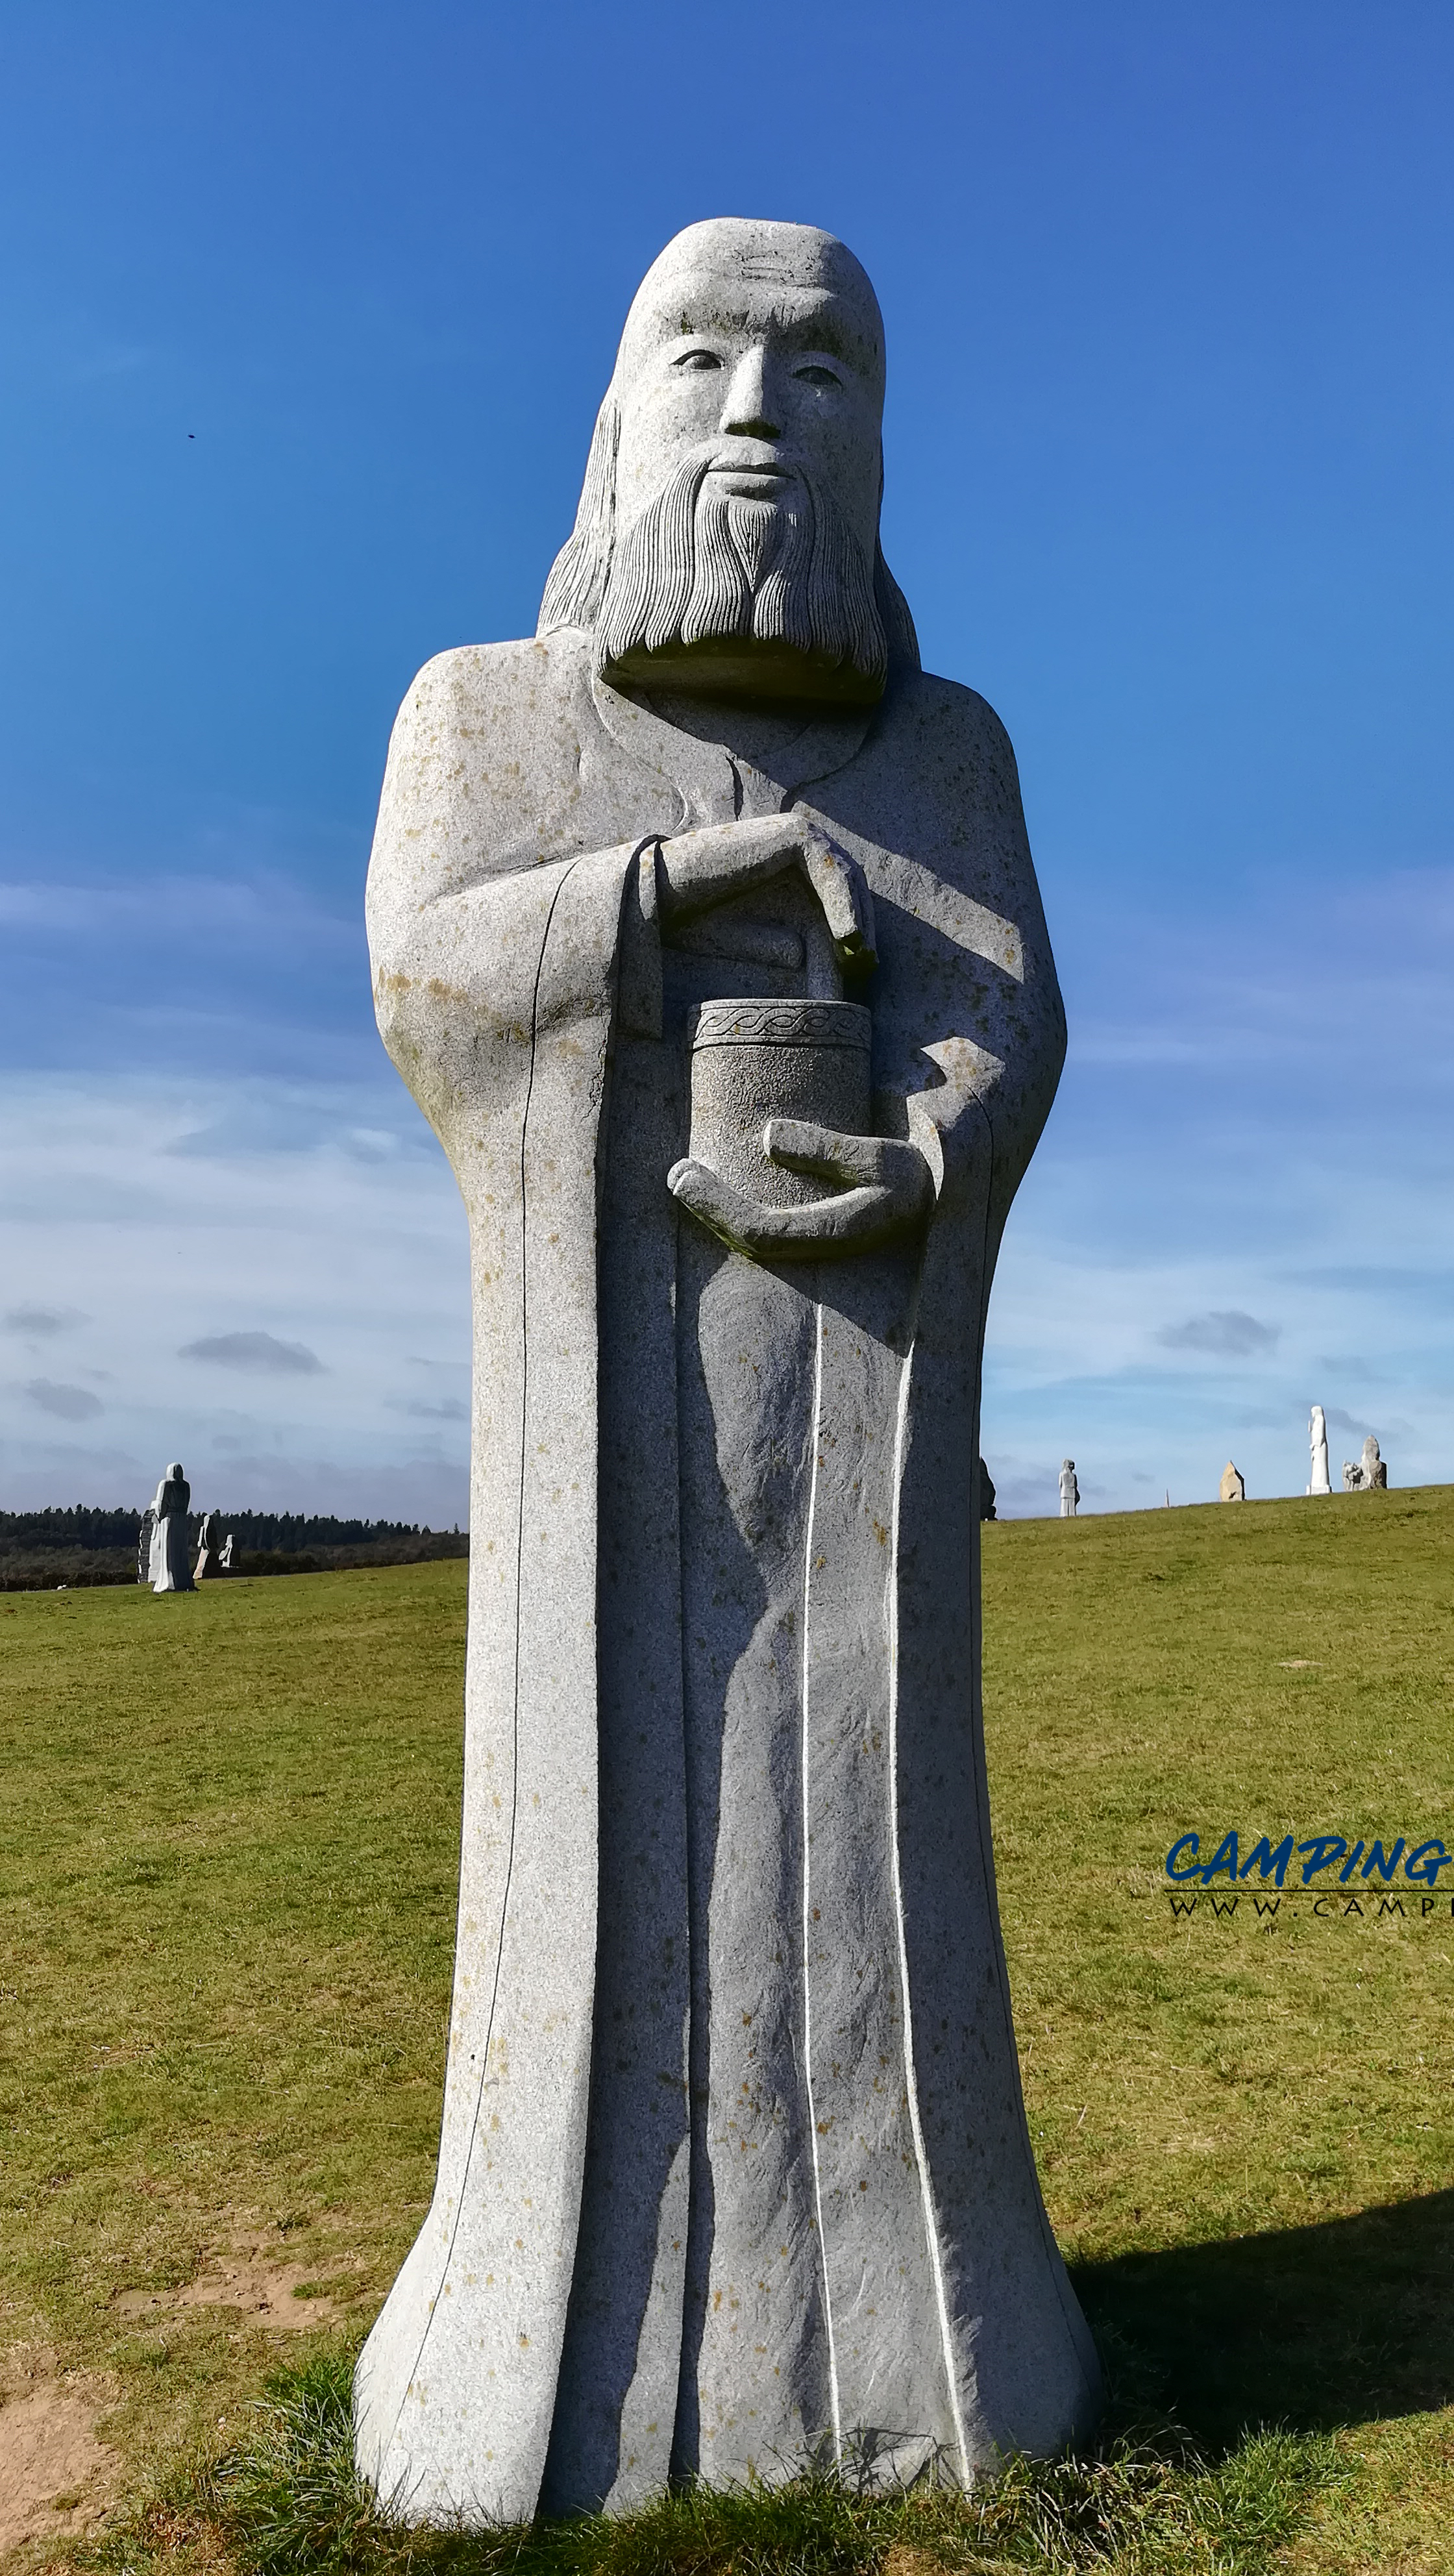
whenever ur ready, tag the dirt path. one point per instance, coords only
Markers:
(55, 2477)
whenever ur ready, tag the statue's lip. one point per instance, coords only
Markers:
(739, 472)
(743, 460)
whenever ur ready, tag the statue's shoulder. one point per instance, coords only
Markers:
(486, 753)
(497, 686)
(487, 748)
(955, 732)
(937, 773)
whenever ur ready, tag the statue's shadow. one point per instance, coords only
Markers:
(1308, 2327)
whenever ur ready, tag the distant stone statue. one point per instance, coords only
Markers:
(206, 1548)
(1318, 1444)
(144, 1536)
(986, 1493)
(1370, 1475)
(1069, 1490)
(1233, 1487)
(705, 931)
(224, 1561)
(171, 1564)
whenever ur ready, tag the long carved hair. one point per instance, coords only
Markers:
(578, 576)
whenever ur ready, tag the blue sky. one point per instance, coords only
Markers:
(306, 313)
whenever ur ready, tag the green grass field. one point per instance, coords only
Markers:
(229, 1831)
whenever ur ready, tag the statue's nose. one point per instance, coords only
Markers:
(746, 414)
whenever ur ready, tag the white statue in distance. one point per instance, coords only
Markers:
(171, 1565)
(1318, 1444)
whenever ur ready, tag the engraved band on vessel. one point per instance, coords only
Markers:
(798, 1024)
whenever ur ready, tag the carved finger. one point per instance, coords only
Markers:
(884, 1162)
(858, 1221)
(847, 905)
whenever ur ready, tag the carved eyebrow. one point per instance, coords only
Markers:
(819, 332)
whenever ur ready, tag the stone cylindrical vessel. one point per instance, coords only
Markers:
(753, 1060)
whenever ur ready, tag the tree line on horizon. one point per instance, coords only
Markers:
(82, 1544)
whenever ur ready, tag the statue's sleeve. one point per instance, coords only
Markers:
(496, 939)
(969, 1027)
(488, 933)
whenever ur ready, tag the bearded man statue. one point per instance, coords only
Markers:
(705, 932)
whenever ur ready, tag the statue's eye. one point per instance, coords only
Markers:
(697, 362)
(816, 376)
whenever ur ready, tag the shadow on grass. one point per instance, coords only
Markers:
(1310, 2327)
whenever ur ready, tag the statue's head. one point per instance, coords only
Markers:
(174, 1472)
(727, 537)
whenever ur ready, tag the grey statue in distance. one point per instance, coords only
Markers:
(1069, 1490)
(1370, 1475)
(1318, 1446)
(1233, 1487)
(209, 1549)
(705, 931)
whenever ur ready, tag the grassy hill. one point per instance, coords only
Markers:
(229, 1828)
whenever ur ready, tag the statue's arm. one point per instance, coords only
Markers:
(473, 939)
(698, 870)
(474, 943)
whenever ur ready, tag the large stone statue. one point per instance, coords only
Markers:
(171, 1562)
(1318, 1448)
(1069, 1490)
(704, 929)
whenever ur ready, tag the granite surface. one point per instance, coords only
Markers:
(704, 930)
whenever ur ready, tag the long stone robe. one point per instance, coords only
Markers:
(734, 2165)
(171, 1560)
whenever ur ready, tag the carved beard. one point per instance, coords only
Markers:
(704, 567)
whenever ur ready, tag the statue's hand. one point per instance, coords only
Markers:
(841, 887)
(890, 1191)
(699, 870)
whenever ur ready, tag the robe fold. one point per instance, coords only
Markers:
(734, 2166)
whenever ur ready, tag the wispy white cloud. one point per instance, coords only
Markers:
(223, 971)
(1247, 1174)
(1244, 1201)
(38, 1323)
(234, 1253)
(1225, 1334)
(258, 1353)
(70, 1403)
